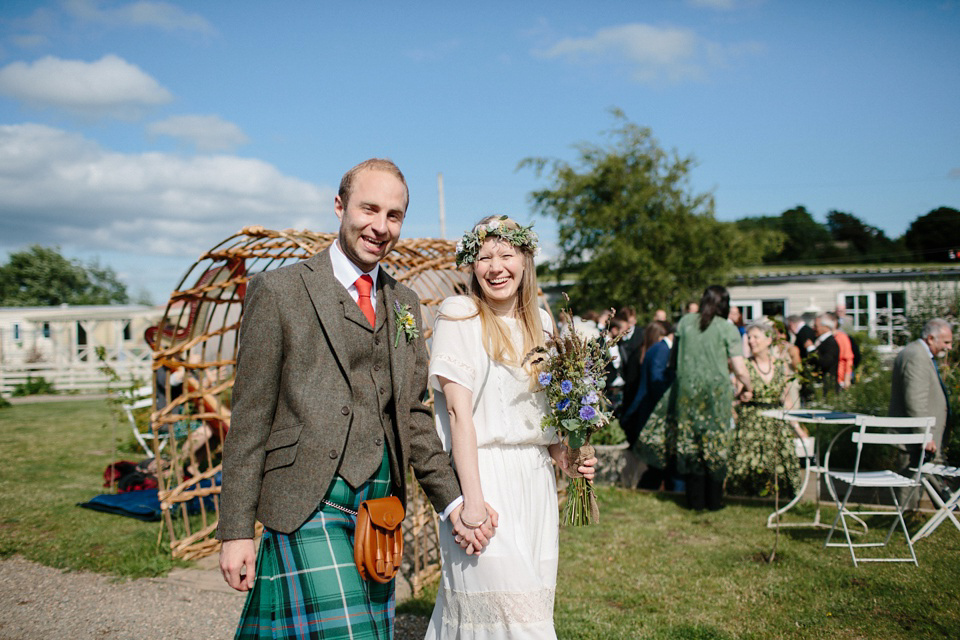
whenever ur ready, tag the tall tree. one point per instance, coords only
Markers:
(631, 226)
(932, 237)
(861, 241)
(41, 276)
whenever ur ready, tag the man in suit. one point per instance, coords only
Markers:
(655, 378)
(327, 412)
(826, 352)
(917, 389)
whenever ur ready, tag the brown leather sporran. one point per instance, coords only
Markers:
(378, 541)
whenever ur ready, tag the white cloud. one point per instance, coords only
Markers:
(161, 15)
(206, 133)
(654, 53)
(61, 188)
(110, 85)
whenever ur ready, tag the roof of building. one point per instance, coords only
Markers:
(787, 273)
(68, 313)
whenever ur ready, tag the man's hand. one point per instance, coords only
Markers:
(930, 447)
(237, 558)
(474, 540)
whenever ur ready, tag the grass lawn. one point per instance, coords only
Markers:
(650, 569)
(52, 456)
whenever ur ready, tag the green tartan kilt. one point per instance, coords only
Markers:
(307, 585)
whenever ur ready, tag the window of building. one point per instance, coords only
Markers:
(753, 310)
(882, 314)
(127, 334)
(16, 331)
(46, 329)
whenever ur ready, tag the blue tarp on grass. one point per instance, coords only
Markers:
(142, 505)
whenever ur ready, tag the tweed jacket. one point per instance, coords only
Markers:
(293, 401)
(916, 389)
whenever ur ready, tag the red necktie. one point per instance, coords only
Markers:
(364, 284)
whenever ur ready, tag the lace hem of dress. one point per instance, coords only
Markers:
(497, 609)
(459, 364)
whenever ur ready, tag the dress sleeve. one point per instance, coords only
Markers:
(732, 339)
(454, 342)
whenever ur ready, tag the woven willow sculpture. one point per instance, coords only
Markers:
(198, 336)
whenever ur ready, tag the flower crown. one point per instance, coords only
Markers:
(469, 245)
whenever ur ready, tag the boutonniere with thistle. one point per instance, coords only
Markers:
(406, 323)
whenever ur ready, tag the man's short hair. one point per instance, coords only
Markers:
(373, 164)
(792, 318)
(625, 313)
(827, 320)
(934, 326)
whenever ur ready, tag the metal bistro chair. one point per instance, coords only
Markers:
(870, 430)
(944, 509)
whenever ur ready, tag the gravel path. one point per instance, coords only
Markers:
(37, 603)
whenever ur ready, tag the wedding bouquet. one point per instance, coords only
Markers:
(573, 374)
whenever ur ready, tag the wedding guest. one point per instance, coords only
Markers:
(845, 361)
(917, 390)
(761, 444)
(613, 390)
(826, 353)
(691, 423)
(692, 307)
(660, 315)
(637, 379)
(737, 319)
(632, 337)
(656, 376)
(491, 420)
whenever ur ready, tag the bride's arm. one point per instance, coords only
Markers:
(463, 434)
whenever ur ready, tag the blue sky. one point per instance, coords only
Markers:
(142, 133)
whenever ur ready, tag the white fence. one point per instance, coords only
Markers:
(81, 377)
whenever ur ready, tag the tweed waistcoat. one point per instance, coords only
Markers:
(369, 372)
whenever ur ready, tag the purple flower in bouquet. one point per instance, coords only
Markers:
(544, 379)
(590, 398)
(566, 386)
(587, 413)
(563, 404)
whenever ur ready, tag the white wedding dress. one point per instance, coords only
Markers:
(508, 590)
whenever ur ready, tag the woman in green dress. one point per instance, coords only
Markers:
(763, 448)
(692, 422)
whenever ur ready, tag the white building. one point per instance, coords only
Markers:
(878, 298)
(59, 343)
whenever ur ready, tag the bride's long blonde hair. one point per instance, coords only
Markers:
(496, 334)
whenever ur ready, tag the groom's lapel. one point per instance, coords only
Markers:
(398, 360)
(324, 291)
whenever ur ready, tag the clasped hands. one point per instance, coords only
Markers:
(473, 539)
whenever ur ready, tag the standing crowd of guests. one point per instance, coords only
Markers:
(691, 397)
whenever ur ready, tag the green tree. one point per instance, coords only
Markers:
(632, 228)
(41, 276)
(861, 242)
(932, 237)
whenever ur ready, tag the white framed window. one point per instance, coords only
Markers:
(882, 314)
(16, 331)
(752, 310)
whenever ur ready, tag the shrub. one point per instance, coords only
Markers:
(33, 386)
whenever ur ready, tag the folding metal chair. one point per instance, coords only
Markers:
(142, 398)
(870, 430)
(944, 509)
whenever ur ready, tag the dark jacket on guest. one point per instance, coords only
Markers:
(655, 378)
